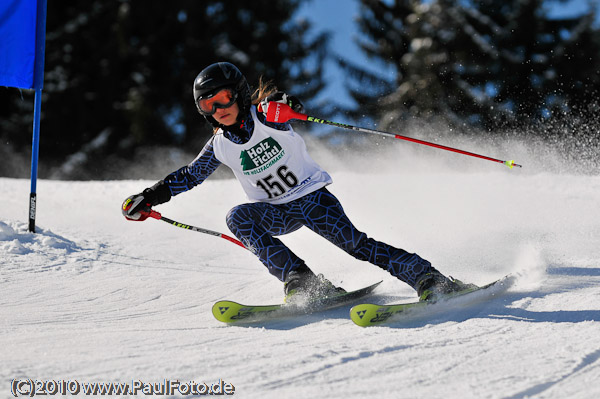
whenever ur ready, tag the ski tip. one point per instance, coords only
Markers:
(361, 314)
(222, 309)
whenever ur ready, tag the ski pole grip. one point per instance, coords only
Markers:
(281, 113)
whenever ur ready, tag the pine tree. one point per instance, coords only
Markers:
(488, 63)
(119, 73)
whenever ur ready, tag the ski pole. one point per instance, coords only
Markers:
(158, 216)
(281, 113)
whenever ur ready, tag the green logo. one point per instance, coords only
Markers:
(261, 156)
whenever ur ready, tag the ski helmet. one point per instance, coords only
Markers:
(218, 76)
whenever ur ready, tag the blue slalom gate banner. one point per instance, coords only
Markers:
(22, 49)
(18, 20)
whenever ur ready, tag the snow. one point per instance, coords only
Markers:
(94, 298)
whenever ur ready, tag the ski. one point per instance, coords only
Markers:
(368, 314)
(233, 312)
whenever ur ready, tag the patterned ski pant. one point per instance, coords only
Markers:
(257, 224)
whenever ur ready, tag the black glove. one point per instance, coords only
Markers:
(283, 98)
(137, 207)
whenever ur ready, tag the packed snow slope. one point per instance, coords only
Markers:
(94, 298)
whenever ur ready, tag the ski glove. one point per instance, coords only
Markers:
(283, 98)
(137, 207)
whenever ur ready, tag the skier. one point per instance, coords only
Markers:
(286, 187)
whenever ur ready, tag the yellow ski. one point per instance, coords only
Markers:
(368, 314)
(233, 312)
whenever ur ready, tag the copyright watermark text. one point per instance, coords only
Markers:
(31, 388)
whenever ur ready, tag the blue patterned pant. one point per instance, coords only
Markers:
(257, 224)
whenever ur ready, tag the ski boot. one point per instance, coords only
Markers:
(433, 285)
(302, 284)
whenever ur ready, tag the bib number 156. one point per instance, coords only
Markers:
(277, 185)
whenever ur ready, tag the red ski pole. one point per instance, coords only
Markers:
(158, 216)
(281, 113)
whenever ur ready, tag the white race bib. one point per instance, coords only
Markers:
(274, 166)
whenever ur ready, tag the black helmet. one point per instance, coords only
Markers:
(220, 75)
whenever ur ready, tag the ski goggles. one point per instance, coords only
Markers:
(223, 98)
